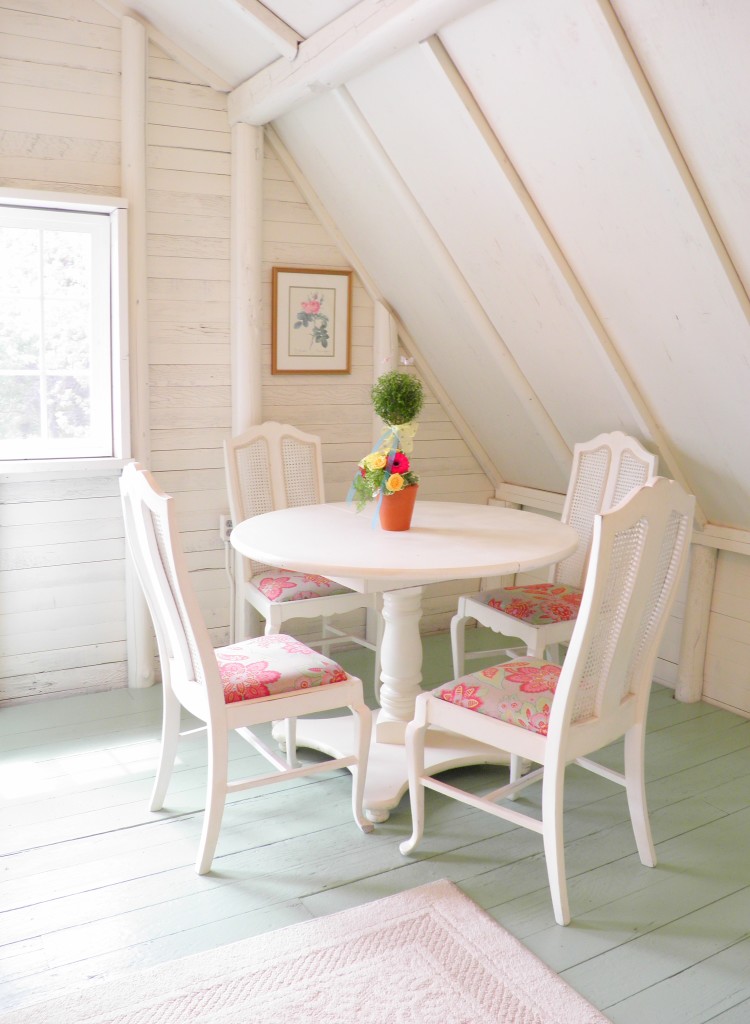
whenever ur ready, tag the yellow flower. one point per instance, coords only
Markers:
(376, 460)
(395, 482)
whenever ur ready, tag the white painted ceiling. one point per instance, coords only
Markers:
(553, 197)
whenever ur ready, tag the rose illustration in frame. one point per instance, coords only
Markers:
(311, 321)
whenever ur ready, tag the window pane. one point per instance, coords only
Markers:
(20, 409)
(68, 407)
(59, 358)
(67, 334)
(20, 269)
(67, 265)
(20, 334)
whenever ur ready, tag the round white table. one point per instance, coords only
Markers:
(447, 541)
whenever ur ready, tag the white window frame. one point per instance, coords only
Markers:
(116, 211)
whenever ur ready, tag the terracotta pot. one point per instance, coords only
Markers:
(396, 509)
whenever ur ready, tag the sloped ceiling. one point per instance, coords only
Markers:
(554, 198)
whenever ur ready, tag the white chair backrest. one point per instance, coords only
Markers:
(269, 467)
(638, 555)
(153, 540)
(605, 470)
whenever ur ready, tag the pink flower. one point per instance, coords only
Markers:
(538, 722)
(535, 678)
(244, 679)
(561, 611)
(274, 586)
(286, 643)
(464, 696)
(234, 692)
(322, 581)
(312, 306)
(400, 463)
(518, 608)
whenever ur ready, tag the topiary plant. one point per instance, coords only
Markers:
(397, 397)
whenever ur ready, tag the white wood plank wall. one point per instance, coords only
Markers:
(727, 670)
(188, 188)
(62, 626)
(62, 619)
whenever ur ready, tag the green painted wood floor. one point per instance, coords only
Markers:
(91, 883)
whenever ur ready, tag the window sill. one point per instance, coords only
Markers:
(57, 469)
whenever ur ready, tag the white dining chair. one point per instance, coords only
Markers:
(231, 688)
(553, 715)
(274, 466)
(604, 471)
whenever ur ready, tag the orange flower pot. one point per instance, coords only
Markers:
(397, 509)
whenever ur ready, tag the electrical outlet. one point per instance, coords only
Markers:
(225, 527)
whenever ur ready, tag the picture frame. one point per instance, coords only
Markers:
(311, 316)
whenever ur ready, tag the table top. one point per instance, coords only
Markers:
(447, 540)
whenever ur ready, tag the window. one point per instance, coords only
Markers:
(62, 390)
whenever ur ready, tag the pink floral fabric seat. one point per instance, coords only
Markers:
(518, 692)
(539, 604)
(281, 585)
(272, 664)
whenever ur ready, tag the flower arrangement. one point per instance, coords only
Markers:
(384, 473)
(397, 398)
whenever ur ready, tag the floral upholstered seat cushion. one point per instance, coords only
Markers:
(285, 585)
(519, 692)
(275, 663)
(539, 604)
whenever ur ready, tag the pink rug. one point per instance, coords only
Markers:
(425, 956)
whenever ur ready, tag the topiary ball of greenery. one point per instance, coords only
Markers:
(397, 397)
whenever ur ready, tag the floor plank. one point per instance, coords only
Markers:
(92, 883)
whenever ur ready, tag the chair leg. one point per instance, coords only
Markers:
(290, 742)
(516, 771)
(170, 737)
(216, 794)
(274, 622)
(416, 732)
(458, 629)
(552, 833)
(635, 787)
(538, 647)
(249, 622)
(363, 733)
(253, 621)
(325, 645)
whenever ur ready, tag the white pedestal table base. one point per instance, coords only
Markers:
(387, 778)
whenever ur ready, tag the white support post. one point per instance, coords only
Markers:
(140, 644)
(246, 261)
(689, 688)
(246, 303)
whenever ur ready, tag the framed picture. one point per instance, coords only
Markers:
(311, 321)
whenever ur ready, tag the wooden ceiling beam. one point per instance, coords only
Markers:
(629, 387)
(360, 38)
(651, 102)
(483, 327)
(281, 36)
